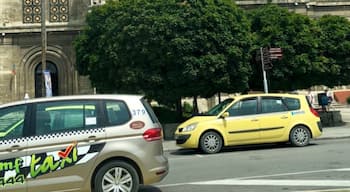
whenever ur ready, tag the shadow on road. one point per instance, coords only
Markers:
(185, 152)
(149, 188)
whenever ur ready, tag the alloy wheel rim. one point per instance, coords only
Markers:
(211, 142)
(117, 179)
(300, 136)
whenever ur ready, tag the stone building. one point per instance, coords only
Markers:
(21, 40)
(20, 47)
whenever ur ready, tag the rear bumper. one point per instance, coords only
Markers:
(156, 174)
(319, 125)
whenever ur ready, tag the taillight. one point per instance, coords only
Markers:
(313, 111)
(153, 134)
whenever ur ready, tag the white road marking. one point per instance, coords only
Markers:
(254, 180)
(328, 190)
(295, 173)
(270, 182)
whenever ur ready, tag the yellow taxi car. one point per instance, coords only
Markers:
(251, 119)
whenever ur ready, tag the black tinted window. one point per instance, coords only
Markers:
(272, 104)
(244, 107)
(65, 116)
(292, 103)
(150, 111)
(12, 122)
(117, 112)
(219, 107)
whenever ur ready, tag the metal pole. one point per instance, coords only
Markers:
(263, 69)
(43, 44)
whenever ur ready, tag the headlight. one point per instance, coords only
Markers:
(190, 127)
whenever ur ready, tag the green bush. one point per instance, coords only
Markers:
(187, 110)
(348, 100)
(168, 115)
(165, 114)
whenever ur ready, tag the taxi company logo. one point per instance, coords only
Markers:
(38, 165)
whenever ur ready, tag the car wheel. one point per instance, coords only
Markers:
(300, 136)
(211, 142)
(116, 176)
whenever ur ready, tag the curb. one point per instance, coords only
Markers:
(333, 137)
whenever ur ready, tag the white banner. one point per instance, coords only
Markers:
(48, 84)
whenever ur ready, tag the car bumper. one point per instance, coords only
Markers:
(186, 141)
(319, 125)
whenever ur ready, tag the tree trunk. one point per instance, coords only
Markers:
(179, 117)
(195, 106)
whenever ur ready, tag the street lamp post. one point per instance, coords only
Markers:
(43, 44)
(266, 90)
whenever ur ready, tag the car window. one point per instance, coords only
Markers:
(150, 110)
(272, 104)
(219, 107)
(117, 112)
(292, 103)
(244, 107)
(65, 116)
(12, 122)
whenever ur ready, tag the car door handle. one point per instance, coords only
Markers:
(92, 138)
(254, 120)
(284, 117)
(14, 148)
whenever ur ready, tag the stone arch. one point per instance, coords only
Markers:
(54, 54)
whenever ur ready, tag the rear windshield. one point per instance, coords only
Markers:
(149, 110)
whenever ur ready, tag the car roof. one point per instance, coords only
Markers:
(267, 94)
(73, 97)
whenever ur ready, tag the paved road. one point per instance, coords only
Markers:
(324, 165)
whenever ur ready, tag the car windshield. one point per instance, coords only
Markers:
(219, 107)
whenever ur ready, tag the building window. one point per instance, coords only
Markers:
(59, 10)
(31, 11)
(97, 2)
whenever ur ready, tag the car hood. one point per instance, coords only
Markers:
(196, 119)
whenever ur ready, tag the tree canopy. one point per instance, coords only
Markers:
(172, 49)
(166, 49)
(335, 45)
(296, 34)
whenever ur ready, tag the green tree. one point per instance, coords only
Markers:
(335, 45)
(166, 49)
(298, 36)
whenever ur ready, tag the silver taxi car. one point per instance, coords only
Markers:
(86, 143)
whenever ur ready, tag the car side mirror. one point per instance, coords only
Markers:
(224, 115)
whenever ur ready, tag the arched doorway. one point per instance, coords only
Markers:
(52, 68)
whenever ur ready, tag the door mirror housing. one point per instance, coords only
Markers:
(224, 115)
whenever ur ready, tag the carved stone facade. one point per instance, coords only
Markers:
(312, 8)
(20, 47)
(20, 41)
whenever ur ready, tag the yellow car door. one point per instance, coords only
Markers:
(274, 119)
(242, 125)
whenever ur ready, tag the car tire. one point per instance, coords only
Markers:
(116, 175)
(211, 142)
(300, 136)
